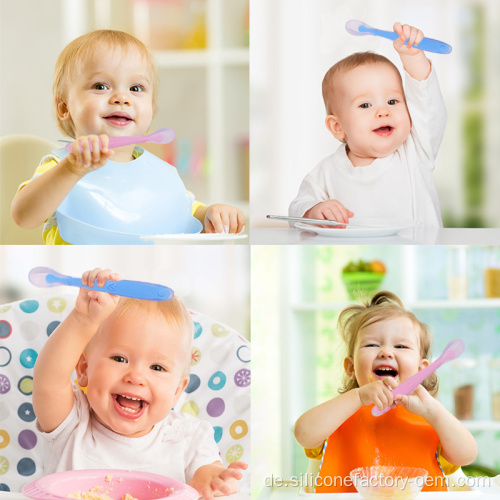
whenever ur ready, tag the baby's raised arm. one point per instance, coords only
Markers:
(39, 199)
(414, 60)
(52, 390)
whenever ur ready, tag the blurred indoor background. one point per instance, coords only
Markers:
(201, 49)
(294, 43)
(297, 294)
(211, 280)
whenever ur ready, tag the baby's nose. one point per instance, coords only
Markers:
(120, 98)
(384, 111)
(134, 376)
(385, 353)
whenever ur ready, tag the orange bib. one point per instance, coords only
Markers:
(397, 438)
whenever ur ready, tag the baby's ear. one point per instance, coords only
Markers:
(81, 371)
(333, 125)
(423, 364)
(349, 368)
(180, 388)
(62, 110)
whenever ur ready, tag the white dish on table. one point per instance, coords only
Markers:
(194, 238)
(352, 231)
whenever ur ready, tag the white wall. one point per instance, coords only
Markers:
(30, 41)
(294, 42)
(212, 280)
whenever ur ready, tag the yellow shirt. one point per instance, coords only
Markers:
(50, 232)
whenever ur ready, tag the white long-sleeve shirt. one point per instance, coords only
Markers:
(397, 186)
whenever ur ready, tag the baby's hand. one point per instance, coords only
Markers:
(378, 393)
(216, 480)
(410, 33)
(419, 402)
(223, 219)
(81, 160)
(91, 306)
(330, 210)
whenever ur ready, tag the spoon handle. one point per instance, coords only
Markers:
(452, 351)
(427, 44)
(124, 288)
(165, 135)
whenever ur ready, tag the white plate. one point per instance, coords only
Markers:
(351, 232)
(194, 239)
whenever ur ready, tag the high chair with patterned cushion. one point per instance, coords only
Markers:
(218, 391)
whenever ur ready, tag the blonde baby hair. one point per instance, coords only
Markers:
(79, 50)
(175, 313)
(343, 66)
(383, 305)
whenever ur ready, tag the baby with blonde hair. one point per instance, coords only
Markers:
(106, 85)
(386, 345)
(132, 357)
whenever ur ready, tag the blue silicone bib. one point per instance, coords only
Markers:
(120, 202)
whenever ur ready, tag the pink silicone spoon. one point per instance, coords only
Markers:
(452, 351)
(161, 136)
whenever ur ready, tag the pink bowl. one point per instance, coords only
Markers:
(141, 485)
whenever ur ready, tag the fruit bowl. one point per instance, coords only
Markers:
(114, 483)
(380, 482)
(361, 284)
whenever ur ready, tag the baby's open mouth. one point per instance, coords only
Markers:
(385, 130)
(385, 371)
(133, 406)
(118, 118)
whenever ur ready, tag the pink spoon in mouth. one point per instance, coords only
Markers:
(452, 351)
(161, 136)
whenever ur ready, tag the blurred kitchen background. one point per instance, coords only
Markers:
(213, 280)
(201, 49)
(294, 43)
(297, 294)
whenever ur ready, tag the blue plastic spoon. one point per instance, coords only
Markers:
(359, 28)
(46, 277)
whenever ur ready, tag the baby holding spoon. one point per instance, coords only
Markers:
(390, 137)
(133, 358)
(106, 85)
(386, 345)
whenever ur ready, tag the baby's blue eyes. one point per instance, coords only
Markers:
(121, 359)
(367, 105)
(104, 86)
(157, 368)
(399, 346)
(100, 86)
